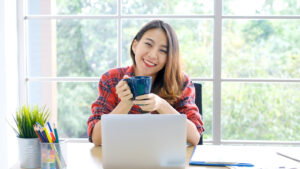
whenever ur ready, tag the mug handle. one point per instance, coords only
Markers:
(131, 86)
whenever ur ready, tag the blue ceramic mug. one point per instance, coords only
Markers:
(139, 85)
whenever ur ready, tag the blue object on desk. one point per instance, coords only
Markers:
(220, 164)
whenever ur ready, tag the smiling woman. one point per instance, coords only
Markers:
(154, 52)
(158, 45)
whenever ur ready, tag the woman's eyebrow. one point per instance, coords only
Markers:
(150, 40)
(165, 46)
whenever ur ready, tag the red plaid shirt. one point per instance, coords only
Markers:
(108, 99)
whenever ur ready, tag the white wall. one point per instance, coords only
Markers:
(8, 81)
(3, 142)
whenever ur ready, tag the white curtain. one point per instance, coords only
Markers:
(8, 81)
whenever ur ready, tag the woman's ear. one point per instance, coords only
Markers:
(134, 44)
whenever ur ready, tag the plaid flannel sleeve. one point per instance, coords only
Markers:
(186, 105)
(105, 103)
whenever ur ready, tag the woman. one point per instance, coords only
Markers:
(154, 52)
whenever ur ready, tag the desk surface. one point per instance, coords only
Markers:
(86, 155)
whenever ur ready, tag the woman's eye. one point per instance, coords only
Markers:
(164, 51)
(148, 44)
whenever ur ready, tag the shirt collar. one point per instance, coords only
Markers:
(130, 71)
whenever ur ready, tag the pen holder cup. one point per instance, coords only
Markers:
(53, 155)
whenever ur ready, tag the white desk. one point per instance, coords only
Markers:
(87, 156)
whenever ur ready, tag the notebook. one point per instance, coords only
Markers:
(143, 141)
(218, 156)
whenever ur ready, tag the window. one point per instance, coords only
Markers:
(245, 54)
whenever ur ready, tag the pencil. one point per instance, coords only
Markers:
(44, 134)
(37, 134)
(47, 134)
(40, 134)
(57, 141)
(51, 132)
(52, 146)
(38, 128)
(289, 157)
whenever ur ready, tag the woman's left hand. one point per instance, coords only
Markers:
(149, 102)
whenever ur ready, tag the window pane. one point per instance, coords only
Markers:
(78, 7)
(261, 7)
(252, 111)
(69, 104)
(71, 47)
(195, 41)
(167, 7)
(261, 49)
(207, 109)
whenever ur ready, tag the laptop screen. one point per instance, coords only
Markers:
(143, 141)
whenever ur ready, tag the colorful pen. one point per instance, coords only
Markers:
(51, 132)
(52, 146)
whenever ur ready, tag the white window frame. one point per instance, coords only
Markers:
(217, 61)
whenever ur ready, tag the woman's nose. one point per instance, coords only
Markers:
(153, 54)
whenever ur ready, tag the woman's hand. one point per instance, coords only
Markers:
(123, 91)
(150, 102)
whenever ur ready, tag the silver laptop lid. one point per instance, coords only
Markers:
(143, 141)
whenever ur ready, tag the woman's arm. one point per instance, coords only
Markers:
(122, 108)
(193, 135)
(125, 95)
(152, 102)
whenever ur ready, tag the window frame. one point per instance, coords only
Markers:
(216, 80)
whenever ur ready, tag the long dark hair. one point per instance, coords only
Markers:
(168, 83)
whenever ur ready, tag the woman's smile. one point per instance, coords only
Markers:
(149, 63)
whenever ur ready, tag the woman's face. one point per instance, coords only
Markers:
(150, 53)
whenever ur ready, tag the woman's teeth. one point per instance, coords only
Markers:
(149, 63)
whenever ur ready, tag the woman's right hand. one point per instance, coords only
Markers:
(123, 91)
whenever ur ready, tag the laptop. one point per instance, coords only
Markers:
(143, 141)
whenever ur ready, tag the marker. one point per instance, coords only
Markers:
(56, 135)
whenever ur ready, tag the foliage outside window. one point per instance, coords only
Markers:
(258, 48)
